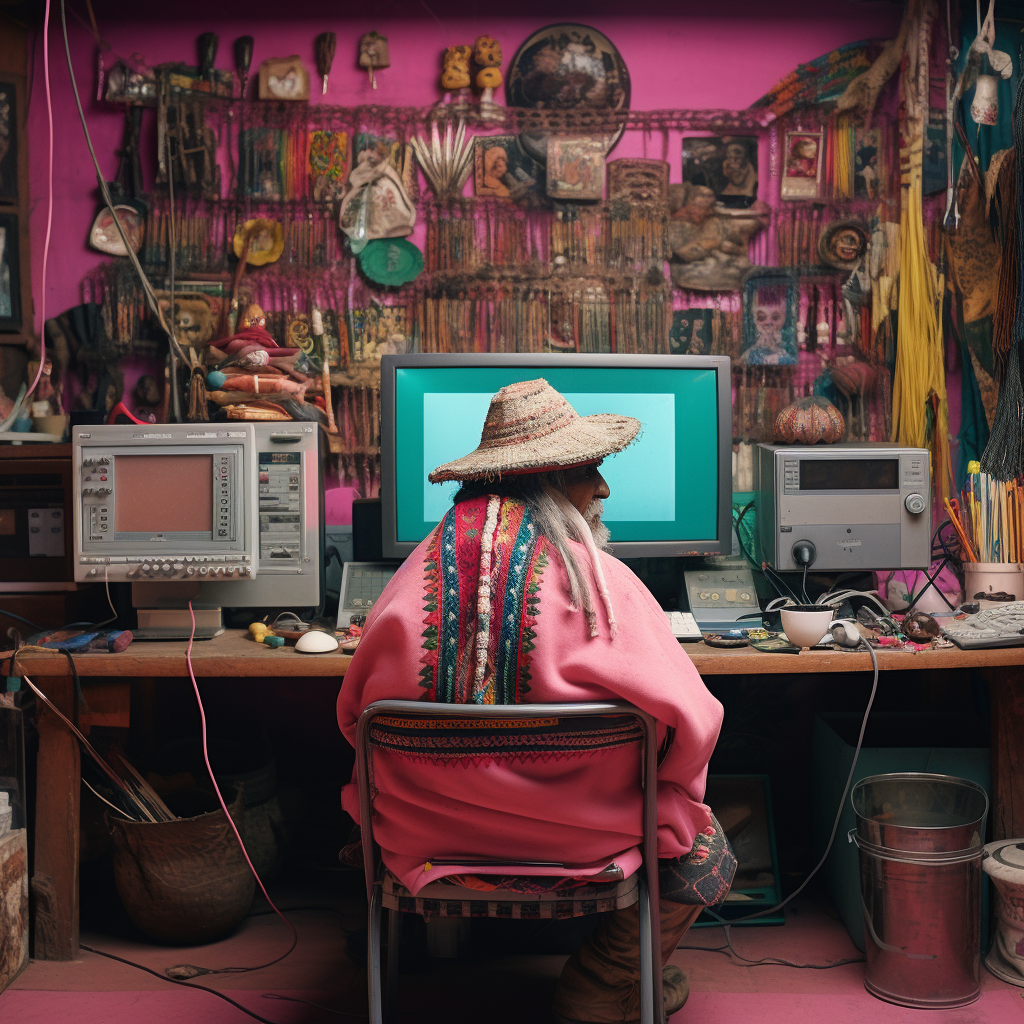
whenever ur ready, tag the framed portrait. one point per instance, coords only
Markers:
(770, 310)
(802, 167)
(727, 164)
(10, 276)
(690, 333)
(576, 168)
(502, 168)
(8, 142)
(869, 169)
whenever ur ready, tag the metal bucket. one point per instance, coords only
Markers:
(921, 840)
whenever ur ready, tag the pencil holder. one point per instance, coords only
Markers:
(982, 578)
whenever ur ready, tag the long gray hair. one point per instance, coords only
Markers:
(559, 521)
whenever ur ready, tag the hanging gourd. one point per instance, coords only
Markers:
(810, 421)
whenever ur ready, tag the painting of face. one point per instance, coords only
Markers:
(769, 322)
(801, 175)
(502, 169)
(725, 164)
(843, 245)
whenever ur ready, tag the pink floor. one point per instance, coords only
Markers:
(512, 989)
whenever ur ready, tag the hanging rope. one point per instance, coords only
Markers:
(920, 373)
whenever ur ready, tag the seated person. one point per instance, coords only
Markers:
(510, 600)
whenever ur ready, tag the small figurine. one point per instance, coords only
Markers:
(487, 58)
(373, 54)
(455, 71)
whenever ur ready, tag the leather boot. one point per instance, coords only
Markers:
(600, 983)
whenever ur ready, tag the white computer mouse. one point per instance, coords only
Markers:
(316, 641)
(845, 632)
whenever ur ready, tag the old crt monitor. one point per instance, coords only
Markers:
(671, 490)
(217, 514)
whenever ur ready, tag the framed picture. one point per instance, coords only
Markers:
(770, 309)
(10, 277)
(503, 169)
(8, 142)
(869, 169)
(637, 180)
(726, 164)
(576, 168)
(802, 167)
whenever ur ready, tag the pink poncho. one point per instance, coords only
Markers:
(538, 650)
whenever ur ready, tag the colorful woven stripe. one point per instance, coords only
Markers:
(461, 740)
(481, 612)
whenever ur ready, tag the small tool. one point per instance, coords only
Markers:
(243, 60)
(325, 46)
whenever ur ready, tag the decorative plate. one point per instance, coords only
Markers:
(391, 261)
(567, 67)
(105, 237)
(265, 244)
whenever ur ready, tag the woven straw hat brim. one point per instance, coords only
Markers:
(585, 439)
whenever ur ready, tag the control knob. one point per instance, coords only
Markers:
(190, 571)
(915, 504)
(145, 567)
(166, 567)
(203, 570)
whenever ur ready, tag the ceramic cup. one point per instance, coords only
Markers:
(981, 578)
(806, 624)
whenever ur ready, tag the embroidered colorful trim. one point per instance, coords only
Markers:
(462, 627)
(463, 740)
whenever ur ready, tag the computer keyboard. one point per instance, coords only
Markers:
(683, 625)
(361, 584)
(1002, 626)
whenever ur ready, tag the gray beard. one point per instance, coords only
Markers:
(602, 535)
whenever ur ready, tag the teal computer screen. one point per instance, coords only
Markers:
(664, 486)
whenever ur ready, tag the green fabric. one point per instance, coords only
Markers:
(974, 432)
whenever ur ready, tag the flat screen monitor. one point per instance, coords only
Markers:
(671, 490)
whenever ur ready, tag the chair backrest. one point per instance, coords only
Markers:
(383, 720)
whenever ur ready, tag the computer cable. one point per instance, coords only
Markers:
(839, 812)
(205, 988)
(21, 618)
(189, 970)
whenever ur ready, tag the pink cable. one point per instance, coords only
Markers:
(49, 200)
(216, 788)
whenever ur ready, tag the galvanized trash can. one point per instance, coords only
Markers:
(921, 841)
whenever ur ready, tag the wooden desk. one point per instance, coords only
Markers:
(232, 655)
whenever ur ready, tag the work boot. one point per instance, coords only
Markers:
(600, 983)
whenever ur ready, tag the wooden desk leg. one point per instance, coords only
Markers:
(55, 877)
(1007, 697)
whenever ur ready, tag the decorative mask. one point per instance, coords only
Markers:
(252, 317)
(455, 70)
(487, 52)
(373, 54)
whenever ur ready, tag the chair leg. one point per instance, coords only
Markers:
(373, 957)
(394, 944)
(649, 1013)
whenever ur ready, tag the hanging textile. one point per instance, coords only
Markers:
(920, 414)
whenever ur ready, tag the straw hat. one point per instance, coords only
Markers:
(530, 428)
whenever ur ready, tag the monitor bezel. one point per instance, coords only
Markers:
(722, 365)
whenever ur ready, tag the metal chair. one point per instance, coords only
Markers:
(642, 886)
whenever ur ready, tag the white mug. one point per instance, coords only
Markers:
(806, 626)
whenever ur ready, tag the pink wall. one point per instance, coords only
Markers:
(726, 59)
